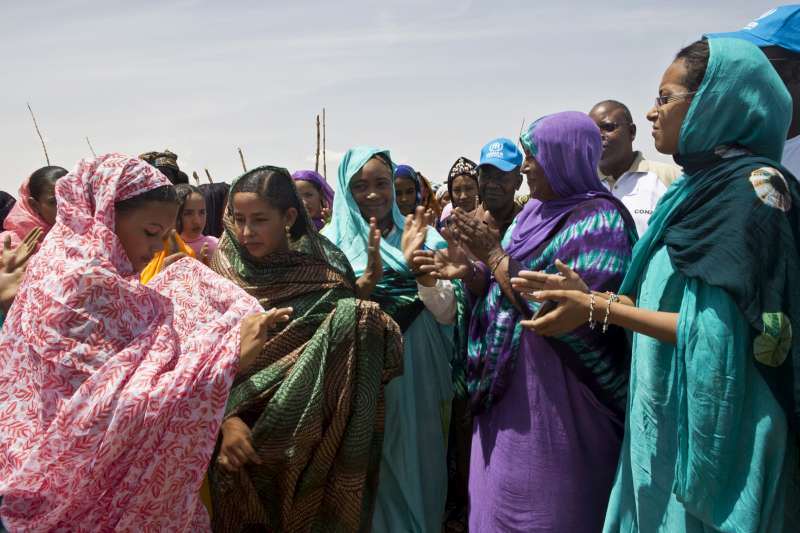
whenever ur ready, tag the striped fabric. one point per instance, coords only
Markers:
(595, 242)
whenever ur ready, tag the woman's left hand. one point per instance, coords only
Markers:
(571, 313)
(413, 240)
(527, 282)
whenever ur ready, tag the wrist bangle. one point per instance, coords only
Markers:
(592, 323)
(497, 263)
(611, 298)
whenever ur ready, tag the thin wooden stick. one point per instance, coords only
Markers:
(36, 125)
(196, 177)
(90, 147)
(324, 148)
(241, 156)
(316, 165)
(208, 175)
(521, 127)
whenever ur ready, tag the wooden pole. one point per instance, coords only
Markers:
(39, 133)
(324, 148)
(241, 156)
(519, 137)
(90, 147)
(208, 175)
(316, 164)
(196, 178)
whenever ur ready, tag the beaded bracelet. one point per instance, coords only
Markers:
(497, 263)
(592, 322)
(611, 299)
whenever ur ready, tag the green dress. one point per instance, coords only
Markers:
(723, 460)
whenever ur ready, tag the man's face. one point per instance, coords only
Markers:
(617, 134)
(498, 187)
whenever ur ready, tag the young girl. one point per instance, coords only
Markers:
(113, 391)
(191, 221)
(316, 194)
(303, 430)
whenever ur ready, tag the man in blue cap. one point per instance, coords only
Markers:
(777, 33)
(499, 178)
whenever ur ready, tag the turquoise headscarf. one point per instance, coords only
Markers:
(349, 231)
(733, 219)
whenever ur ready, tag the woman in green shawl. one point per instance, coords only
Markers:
(366, 223)
(713, 299)
(303, 431)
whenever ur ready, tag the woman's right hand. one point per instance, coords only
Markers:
(237, 445)
(255, 331)
(13, 262)
(374, 271)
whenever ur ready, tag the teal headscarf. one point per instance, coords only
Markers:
(349, 231)
(732, 220)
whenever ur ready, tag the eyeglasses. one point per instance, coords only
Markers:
(611, 127)
(664, 100)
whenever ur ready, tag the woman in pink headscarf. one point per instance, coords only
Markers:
(36, 206)
(112, 392)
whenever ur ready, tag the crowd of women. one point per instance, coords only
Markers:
(271, 356)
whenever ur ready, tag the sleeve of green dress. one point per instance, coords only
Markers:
(732, 434)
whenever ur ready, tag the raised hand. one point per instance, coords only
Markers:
(236, 449)
(204, 257)
(414, 234)
(255, 332)
(325, 213)
(13, 262)
(479, 238)
(374, 271)
(528, 282)
(450, 263)
(13, 258)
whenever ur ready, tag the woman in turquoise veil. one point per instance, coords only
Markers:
(713, 300)
(367, 226)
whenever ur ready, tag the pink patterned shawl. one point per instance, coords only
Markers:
(111, 392)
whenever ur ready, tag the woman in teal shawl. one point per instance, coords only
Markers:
(413, 476)
(714, 403)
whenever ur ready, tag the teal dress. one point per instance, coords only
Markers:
(722, 461)
(412, 486)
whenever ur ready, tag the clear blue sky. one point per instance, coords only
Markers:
(429, 80)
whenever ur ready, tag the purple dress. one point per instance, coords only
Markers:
(549, 412)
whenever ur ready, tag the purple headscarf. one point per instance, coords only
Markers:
(568, 147)
(321, 185)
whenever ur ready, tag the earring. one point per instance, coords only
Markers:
(288, 233)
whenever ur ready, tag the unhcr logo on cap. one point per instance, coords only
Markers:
(495, 151)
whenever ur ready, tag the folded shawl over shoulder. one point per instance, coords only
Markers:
(314, 397)
(112, 391)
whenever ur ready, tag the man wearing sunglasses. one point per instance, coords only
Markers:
(777, 33)
(636, 181)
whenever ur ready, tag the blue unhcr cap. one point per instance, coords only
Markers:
(501, 153)
(776, 27)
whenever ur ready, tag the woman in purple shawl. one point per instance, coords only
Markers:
(316, 194)
(549, 412)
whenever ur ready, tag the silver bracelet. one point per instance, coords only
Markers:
(611, 299)
(592, 323)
